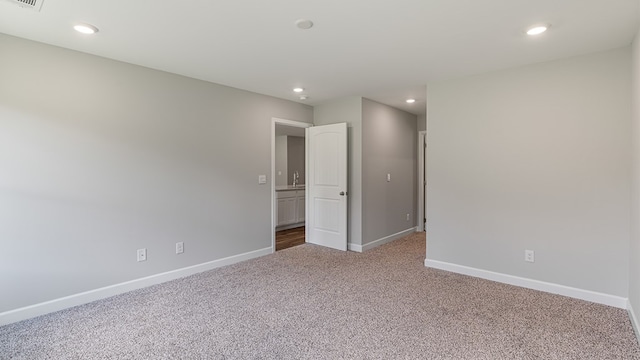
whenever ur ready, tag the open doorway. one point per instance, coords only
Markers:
(422, 181)
(288, 171)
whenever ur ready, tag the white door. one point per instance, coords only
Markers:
(327, 186)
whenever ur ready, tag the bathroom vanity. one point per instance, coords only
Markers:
(290, 205)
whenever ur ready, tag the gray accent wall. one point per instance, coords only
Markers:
(382, 140)
(389, 146)
(537, 158)
(422, 122)
(348, 110)
(295, 158)
(282, 172)
(99, 158)
(634, 259)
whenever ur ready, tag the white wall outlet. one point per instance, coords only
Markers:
(529, 256)
(388, 177)
(262, 179)
(408, 217)
(179, 247)
(142, 254)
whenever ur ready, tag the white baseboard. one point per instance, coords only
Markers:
(46, 307)
(634, 320)
(354, 247)
(290, 226)
(587, 295)
(381, 241)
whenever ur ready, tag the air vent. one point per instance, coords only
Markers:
(34, 5)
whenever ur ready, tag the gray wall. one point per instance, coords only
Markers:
(99, 158)
(295, 158)
(348, 110)
(281, 150)
(534, 158)
(422, 122)
(389, 146)
(634, 260)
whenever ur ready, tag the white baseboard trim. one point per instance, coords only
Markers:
(50, 306)
(354, 247)
(381, 241)
(290, 226)
(587, 295)
(634, 320)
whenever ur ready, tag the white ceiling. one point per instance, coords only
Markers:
(380, 49)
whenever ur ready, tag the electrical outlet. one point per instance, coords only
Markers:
(529, 256)
(142, 254)
(408, 217)
(388, 177)
(179, 247)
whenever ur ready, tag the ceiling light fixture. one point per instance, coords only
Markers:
(85, 29)
(303, 97)
(411, 101)
(537, 30)
(298, 89)
(304, 24)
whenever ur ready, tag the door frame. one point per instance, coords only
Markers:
(422, 184)
(274, 201)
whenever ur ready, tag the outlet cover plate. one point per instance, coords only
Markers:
(179, 247)
(529, 256)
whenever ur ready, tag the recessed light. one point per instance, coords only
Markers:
(303, 97)
(85, 28)
(537, 30)
(411, 101)
(304, 24)
(298, 89)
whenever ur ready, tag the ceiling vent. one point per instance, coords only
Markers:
(34, 5)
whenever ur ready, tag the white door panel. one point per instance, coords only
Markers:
(326, 214)
(326, 160)
(327, 185)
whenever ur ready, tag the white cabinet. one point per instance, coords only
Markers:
(290, 207)
(300, 208)
(286, 211)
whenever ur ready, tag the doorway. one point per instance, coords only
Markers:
(422, 181)
(288, 190)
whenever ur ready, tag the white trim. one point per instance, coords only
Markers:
(354, 247)
(274, 210)
(381, 241)
(587, 295)
(422, 138)
(290, 226)
(50, 306)
(634, 320)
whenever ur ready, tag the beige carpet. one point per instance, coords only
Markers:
(309, 302)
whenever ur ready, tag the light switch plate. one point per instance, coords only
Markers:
(262, 179)
(141, 254)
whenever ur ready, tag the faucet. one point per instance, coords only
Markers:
(296, 176)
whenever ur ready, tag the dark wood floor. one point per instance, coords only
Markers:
(289, 238)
